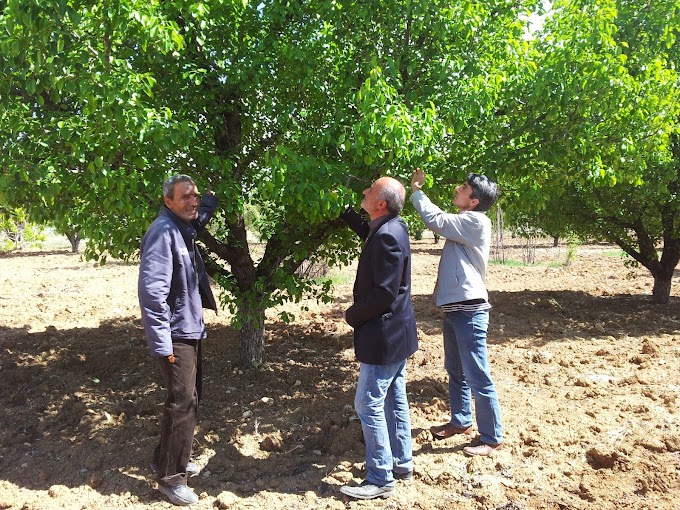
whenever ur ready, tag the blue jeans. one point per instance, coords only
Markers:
(382, 407)
(466, 362)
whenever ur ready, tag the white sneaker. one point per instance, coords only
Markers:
(179, 494)
(193, 469)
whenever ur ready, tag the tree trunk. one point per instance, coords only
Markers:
(661, 291)
(74, 239)
(18, 236)
(251, 348)
(663, 269)
(556, 241)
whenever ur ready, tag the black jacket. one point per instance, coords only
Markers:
(382, 314)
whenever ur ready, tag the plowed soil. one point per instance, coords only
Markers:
(587, 369)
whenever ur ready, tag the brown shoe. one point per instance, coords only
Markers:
(482, 449)
(448, 430)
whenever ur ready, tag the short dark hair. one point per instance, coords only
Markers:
(169, 184)
(483, 189)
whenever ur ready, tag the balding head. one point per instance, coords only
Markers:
(393, 192)
(385, 196)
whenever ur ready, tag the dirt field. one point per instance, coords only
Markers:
(588, 373)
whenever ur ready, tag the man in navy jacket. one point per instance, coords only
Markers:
(384, 337)
(173, 289)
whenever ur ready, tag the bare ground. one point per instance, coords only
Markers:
(587, 370)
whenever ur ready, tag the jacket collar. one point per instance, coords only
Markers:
(380, 222)
(186, 229)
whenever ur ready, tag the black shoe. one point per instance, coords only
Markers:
(407, 477)
(367, 490)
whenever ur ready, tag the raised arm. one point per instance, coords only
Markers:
(355, 221)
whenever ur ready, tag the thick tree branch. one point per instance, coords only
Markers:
(277, 256)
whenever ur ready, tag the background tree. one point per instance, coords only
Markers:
(16, 230)
(598, 154)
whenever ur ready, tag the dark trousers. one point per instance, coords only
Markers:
(180, 413)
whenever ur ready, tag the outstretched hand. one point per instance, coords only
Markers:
(417, 180)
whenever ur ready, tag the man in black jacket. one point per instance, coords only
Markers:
(384, 337)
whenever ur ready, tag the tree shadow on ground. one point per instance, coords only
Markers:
(541, 317)
(37, 253)
(83, 408)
